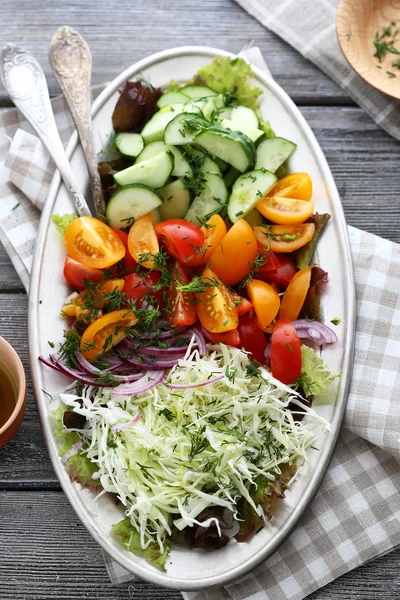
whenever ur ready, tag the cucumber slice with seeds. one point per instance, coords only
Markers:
(129, 144)
(184, 128)
(247, 190)
(153, 172)
(233, 147)
(131, 202)
(211, 200)
(176, 201)
(171, 98)
(272, 152)
(181, 166)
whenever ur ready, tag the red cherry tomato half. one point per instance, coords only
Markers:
(76, 274)
(252, 338)
(182, 240)
(285, 353)
(129, 263)
(243, 305)
(271, 260)
(230, 338)
(137, 285)
(181, 306)
(283, 274)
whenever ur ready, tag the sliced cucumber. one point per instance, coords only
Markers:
(197, 91)
(194, 106)
(233, 147)
(253, 134)
(184, 128)
(272, 152)
(154, 171)
(245, 118)
(254, 218)
(131, 202)
(223, 113)
(181, 166)
(156, 215)
(176, 201)
(129, 144)
(154, 128)
(200, 160)
(211, 200)
(171, 98)
(231, 176)
(247, 191)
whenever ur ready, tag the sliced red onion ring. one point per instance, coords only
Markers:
(267, 353)
(315, 331)
(146, 383)
(187, 386)
(143, 362)
(200, 340)
(73, 373)
(122, 378)
(73, 451)
(126, 425)
(164, 352)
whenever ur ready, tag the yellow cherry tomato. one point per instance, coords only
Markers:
(216, 308)
(142, 241)
(91, 298)
(235, 253)
(285, 211)
(295, 294)
(284, 238)
(106, 332)
(93, 243)
(295, 185)
(265, 301)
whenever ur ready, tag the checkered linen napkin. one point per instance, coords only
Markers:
(355, 516)
(310, 27)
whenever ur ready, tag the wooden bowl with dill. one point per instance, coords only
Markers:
(369, 36)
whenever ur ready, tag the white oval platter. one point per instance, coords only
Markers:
(197, 569)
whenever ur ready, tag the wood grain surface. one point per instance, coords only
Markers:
(45, 551)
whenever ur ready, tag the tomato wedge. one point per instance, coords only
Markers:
(265, 301)
(182, 240)
(284, 238)
(234, 255)
(296, 292)
(181, 305)
(93, 243)
(214, 231)
(139, 285)
(285, 211)
(143, 242)
(295, 185)
(76, 274)
(106, 332)
(285, 352)
(243, 305)
(215, 306)
(282, 275)
(252, 338)
(129, 263)
(230, 338)
(84, 305)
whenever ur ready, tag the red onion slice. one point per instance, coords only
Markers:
(127, 425)
(200, 340)
(146, 383)
(187, 386)
(74, 450)
(315, 331)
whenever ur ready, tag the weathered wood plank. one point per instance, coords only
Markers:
(48, 554)
(130, 31)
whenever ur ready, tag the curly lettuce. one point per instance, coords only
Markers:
(130, 537)
(315, 373)
(62, 221)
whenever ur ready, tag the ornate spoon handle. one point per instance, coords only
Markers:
(26, 84)
(71, 62)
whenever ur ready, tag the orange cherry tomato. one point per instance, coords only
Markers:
(214, 231)
(285, 211)
(93, 243)
(295, 294)
(106, 332)
(295, 185)
(284, 238)
(234, 255)
(215, 306)
(265, 301)
(83, 305)
(143, 242)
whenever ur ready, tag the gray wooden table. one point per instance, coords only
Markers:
(44, 550)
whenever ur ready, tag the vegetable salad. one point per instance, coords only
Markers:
(192, 296)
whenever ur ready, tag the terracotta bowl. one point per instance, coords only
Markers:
(357, 22)
(11, 362)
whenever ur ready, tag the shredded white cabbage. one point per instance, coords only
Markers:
(192, 448)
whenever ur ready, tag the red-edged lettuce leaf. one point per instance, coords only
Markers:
(266, 495)
(207, 538)
(135, 106)
(303, 256)
(128, 535)
(311, 309)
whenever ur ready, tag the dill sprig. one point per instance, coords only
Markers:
(199, 442)
(260, 260)
(68, 350)
(107, 379)
(197, 285)
(382, 45)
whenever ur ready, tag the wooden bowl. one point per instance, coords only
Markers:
(11, 362)
(357, 23)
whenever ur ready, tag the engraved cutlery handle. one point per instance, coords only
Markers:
(71, 62)
(26, 84)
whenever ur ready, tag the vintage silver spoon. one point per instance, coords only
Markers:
(26, 85)
(71, 62)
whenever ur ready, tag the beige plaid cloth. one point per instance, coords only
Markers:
(355, 516)
(310, 27)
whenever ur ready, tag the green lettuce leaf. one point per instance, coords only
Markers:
(131, 540)
(315, 373)
(62, 222)
(173, 86)
(226, 75)
(303, 256)
(267, 129)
